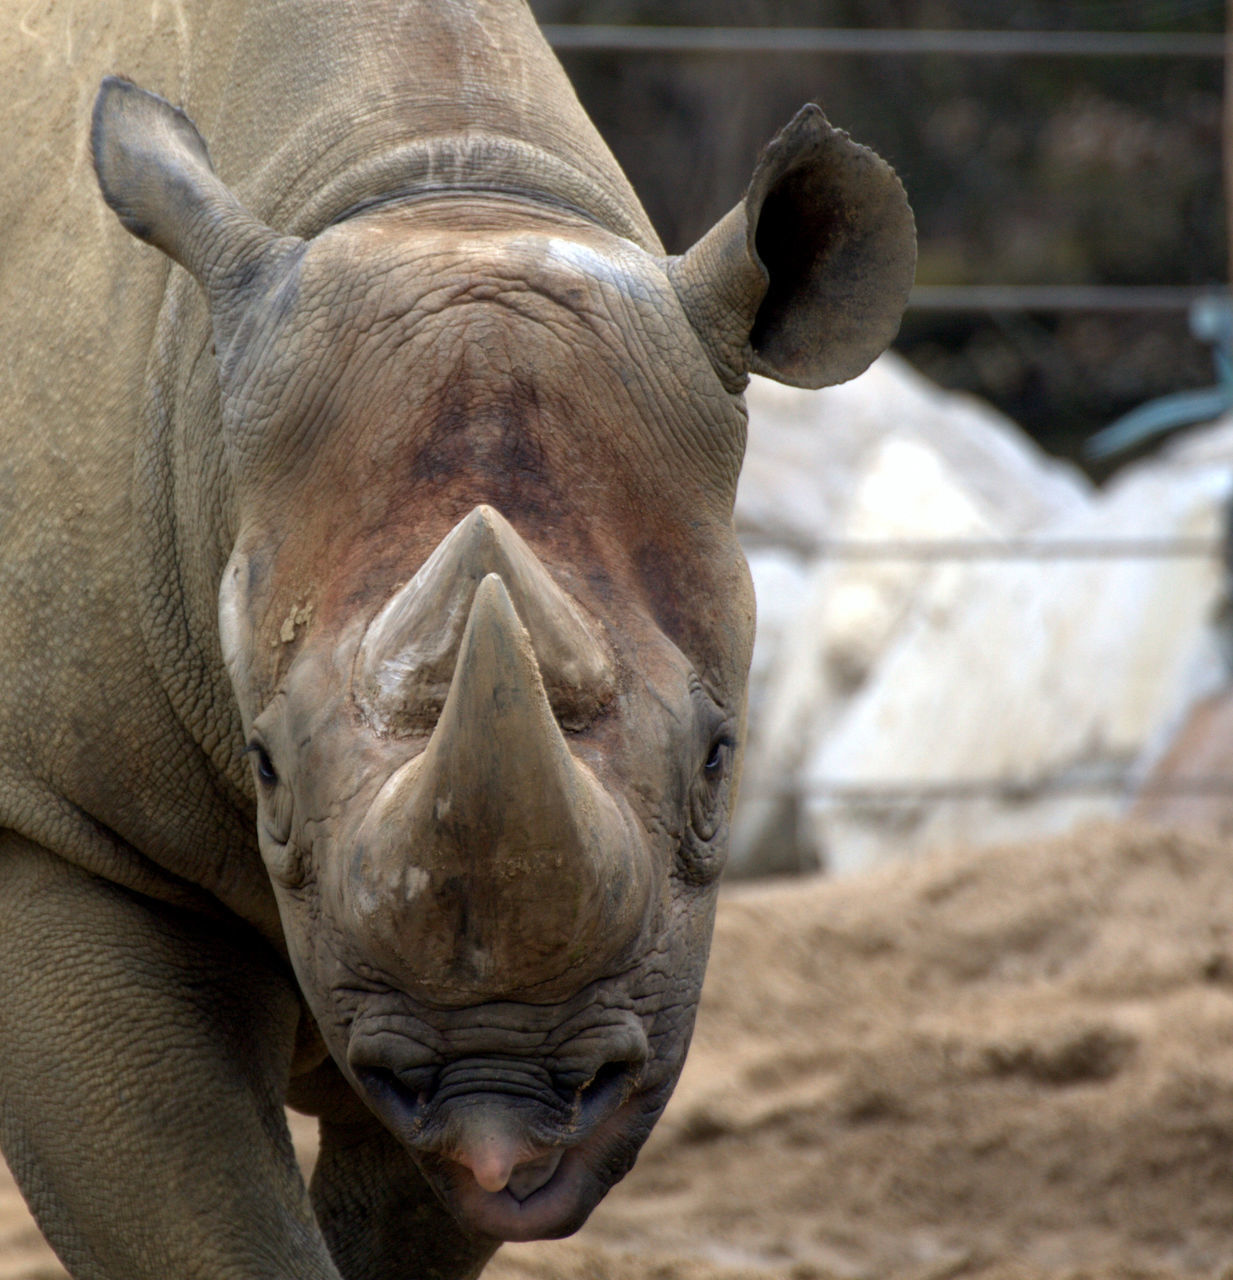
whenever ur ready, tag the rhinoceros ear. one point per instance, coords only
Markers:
(806, 279)
(155, 173)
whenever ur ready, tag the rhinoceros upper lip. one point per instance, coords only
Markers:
(570, 1148)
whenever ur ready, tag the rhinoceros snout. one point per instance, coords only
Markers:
(547, 1106)
(517, 1150)
(495, 861)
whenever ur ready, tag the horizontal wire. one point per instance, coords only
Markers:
(1022, 549)
(603, 38)
(909, 792)
(1053, 297)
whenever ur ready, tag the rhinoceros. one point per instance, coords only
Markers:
(375, 633)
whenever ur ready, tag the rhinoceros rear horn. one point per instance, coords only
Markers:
(407, 659)
(806, 279)
(155, 173)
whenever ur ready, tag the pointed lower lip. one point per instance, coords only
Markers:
(557, 1208)
(560, 1206)
(534, 1175)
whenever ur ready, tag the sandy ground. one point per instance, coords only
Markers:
(1010, 1064)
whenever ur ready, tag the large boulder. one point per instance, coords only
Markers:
(1013, 702)
(805, 448)
(840, 624)
(901, 703)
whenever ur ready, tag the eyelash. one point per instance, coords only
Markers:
(265, 766)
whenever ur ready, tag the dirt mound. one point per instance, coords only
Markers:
(1017, 1063)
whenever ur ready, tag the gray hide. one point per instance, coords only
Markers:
(375, 633)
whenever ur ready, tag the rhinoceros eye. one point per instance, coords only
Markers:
(708, 793)
(716, 765)
(267, 775)
(708, 804)
(276, 802)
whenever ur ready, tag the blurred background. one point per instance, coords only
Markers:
(1050, 163)
(982, 615)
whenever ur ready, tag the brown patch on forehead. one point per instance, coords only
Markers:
(487, 448)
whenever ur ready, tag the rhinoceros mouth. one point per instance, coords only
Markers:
(557, 1208)
(530, 1176)
(548, 1196)
(556, 1162)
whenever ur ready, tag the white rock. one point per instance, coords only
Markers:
(871, 672)
(1029, 671)
(806, 446)
(847, 614)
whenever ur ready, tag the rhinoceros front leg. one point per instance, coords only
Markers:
(381, 1219)
(143, 1057)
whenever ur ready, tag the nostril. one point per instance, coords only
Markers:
(407, 1095)
(605, 1091)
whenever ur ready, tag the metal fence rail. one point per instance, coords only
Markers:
(872, 795)
(1060, 297)
(891, 42)
(930, 549)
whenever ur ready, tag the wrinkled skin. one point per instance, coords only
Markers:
(373, 702)
(513, 356)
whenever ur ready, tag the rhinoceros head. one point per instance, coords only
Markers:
(487, 622)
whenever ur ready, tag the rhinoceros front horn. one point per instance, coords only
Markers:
(495, 862)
